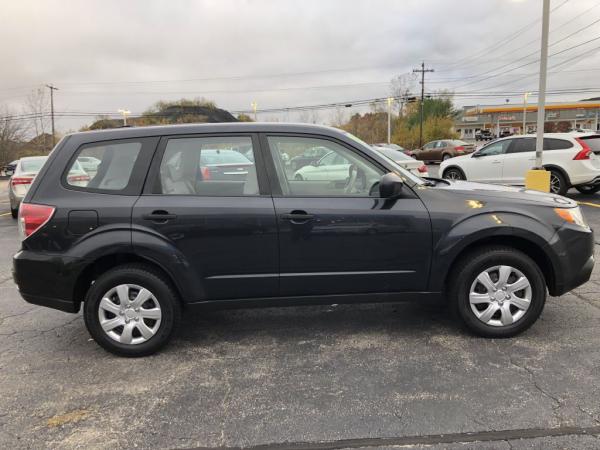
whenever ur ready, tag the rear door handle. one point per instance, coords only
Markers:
(159, 216)
(496, 162)
(298, 216)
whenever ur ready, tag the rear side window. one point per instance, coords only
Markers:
(557, 144)
(208, 166)
(104, 166)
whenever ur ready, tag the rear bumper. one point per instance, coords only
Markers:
(574, 248)
(47, 280)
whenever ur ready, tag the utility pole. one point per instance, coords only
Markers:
(541, 115)
(389, 103)
(124, 113)
(254, 106)
(52, 89)
(422, 70)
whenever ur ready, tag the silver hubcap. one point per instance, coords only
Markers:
(554, 184)
(500, 296)
(129, 314)
(453, 175)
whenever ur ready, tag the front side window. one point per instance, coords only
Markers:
(208, 166)
(106, 166)
(495, 148)
(523, 145)
(341, 172)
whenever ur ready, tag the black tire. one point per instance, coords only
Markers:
(446, 156)
(299, 177)
(588, 189)
(413, 156)
(145, 277)
(14, 213)
(453, 173)
(473, 264)
(558, 184)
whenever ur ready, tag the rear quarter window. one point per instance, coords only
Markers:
(117, 167)
(557, 144)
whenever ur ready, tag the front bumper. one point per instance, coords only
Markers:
(573, 248)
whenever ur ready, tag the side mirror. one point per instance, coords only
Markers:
(390, 185)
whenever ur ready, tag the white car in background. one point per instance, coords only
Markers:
(331, 167)
(573, 160)
(403, 160)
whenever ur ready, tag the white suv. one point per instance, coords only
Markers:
(572, 158)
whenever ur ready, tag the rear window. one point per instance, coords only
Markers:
(458, 142)
(209, 157)
(32, 165)
(593, 142)
(111, 167)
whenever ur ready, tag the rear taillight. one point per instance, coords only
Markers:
(585, 151)
(21, 180)
(75, 178)
(459, 149)
(32, 217)
(205, 173)
(422, 169)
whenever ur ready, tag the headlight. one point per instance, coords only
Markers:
(571, 215)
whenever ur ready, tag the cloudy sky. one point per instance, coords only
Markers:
(104, 55)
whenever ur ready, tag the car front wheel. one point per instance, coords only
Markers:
(453, 174)
(131, 310)
(498, 292)
(558, 184)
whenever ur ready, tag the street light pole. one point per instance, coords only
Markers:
(124, 113)
(389, 114)
(254, 106)
(422, 70)
(541, 114)
(524, 130)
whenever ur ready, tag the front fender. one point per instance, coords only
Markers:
(485, 227)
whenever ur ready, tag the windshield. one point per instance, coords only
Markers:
(32, 164)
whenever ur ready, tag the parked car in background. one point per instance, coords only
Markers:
(332, 167)
(483, 135)
(137, 257)
(442, 150)
(9, 169)
(309, 156)
(403, 160)
(573, 160)
(505, 133)
(25, 171)
(392, 146)
(89, 163)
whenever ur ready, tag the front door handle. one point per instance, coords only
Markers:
(159, 216)
(496, 162)
(298, 216)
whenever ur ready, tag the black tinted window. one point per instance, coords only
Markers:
(495, 148)
(523, 145)
(556, 144)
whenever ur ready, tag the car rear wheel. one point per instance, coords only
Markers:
(298, 177)
(453, 174)
(14, 212)
(131, 310)
(446, 157)
(498, 292)
(558, 184)
(588, 189)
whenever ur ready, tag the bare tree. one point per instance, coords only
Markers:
(12, 132)
(36, 105)
(401, 87)
(338, 117)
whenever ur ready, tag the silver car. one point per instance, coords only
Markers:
(26, 171)
(403, 160)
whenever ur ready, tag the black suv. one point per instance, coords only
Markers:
(151, 231)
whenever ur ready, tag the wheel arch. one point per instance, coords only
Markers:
(108, 261)
(453, 167)
(560, 170)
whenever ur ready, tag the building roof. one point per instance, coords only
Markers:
(515, 107)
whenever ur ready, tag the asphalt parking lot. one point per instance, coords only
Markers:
(376, 375)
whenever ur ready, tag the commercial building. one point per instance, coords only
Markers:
(508, 118)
